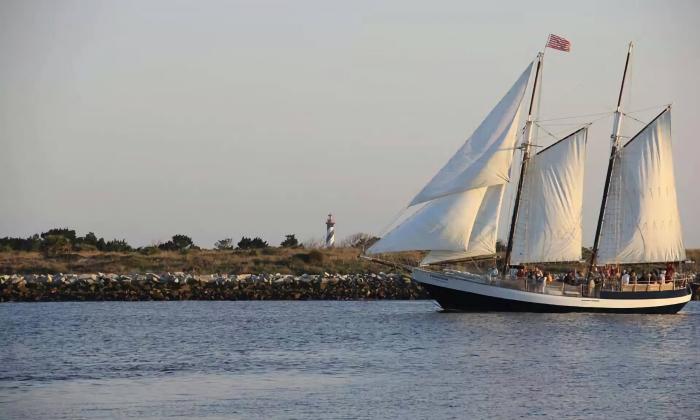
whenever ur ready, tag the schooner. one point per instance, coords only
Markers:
(459, 211)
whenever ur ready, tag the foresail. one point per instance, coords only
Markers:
(641, 222)
(485, 158)
(482, 240)
(549, 224)
(465, 222)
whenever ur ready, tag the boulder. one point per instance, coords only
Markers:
(153, 278)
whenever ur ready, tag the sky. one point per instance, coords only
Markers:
(216, 119)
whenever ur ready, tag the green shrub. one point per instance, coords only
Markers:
(248, 243)
(224, 244)
(32, 243)
(177, 243)
(55, 245)
(148, 250)
(68, 234)
(290, 241)
(116, 245)
(82, 246)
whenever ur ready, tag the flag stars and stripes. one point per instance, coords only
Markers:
(558, 43)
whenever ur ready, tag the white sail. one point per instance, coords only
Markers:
(641, 222)
(465, 223)
(483, 235)
(549, 224)
(485, 158)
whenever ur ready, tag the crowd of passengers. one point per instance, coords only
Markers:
(624, 277)
(607, 275)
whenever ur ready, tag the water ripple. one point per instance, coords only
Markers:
(341, 360)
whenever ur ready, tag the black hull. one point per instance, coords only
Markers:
(456, 300)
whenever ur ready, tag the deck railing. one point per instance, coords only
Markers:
(580, 289)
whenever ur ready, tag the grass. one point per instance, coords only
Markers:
(268, 260)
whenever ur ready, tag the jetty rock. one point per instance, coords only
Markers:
(220, 286)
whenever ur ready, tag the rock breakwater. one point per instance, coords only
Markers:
(184, 286)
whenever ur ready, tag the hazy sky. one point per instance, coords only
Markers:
(141, 119)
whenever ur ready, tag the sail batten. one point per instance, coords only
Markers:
(641, 223)
(549, 225)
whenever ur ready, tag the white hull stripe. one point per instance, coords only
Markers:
(465, 285)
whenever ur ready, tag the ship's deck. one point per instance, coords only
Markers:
(560, 288)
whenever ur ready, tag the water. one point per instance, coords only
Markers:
(302, 360)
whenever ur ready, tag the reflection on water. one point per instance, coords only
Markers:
(341, 360)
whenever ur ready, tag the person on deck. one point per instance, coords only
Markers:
(633, 277)
(625, 279)
(493, 274)
(670, 271)
(567, 278)
(542, 280)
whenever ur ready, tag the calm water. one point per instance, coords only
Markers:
(341, 360)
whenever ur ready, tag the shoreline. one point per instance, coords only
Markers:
(280, 274)
(183, 286)
(186, 286)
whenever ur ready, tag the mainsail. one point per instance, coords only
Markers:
(641, 222)
(463, 201)
(549, 224)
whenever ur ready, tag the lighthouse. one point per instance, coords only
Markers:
(330, 231)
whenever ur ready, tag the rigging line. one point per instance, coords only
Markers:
(606, 113)
(648, 108)
(635, 119)
(547, 131)
(560, 124)
(557, 134)
(575, 122)
(579, 122)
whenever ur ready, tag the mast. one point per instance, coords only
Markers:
(615, 140)
(523, 166)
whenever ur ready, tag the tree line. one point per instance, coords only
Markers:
(63, 240)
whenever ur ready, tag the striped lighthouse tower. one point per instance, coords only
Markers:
(330, 231)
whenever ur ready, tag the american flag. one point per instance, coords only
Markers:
(558, 43)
